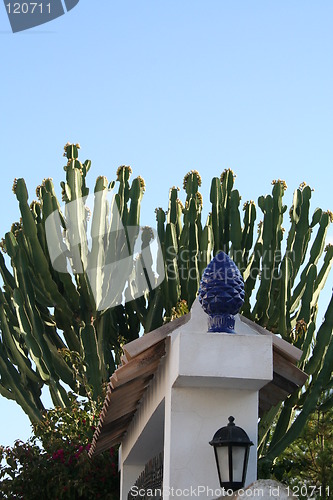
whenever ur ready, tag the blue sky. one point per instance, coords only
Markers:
(169, 86)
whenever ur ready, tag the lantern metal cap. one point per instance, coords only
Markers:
(231, 434)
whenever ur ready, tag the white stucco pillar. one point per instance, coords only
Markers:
(203, 379)
(195, 415)
(211, 377)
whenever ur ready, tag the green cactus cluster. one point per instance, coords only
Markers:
(53, 296)
(186, 244)
(48, 307)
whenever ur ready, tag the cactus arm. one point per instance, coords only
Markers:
(61, 368)
(216, 200)
(5, 392)
(7, 277)
(193, 243)
(17, 391)
(323, 339)
(183, 255)
(58, 394)
(16, 354)
(315, 253)
(206, 247)
(300, 215)
(172, 272)
(160, 218)
(114, 233)
(305, 310)
(251, 273)
(172, 209)
(323, 274)
(247, 234)
(266, 422)
(136, 194)
(236, 230)
(227, 182)
(260, 311)
(283, 424)
(91, 358)
(123, 175)
(97, 257)
(155, 311)
(283, 320)
(155, 299)
(306, 346)
(106, 340)
(26, 331)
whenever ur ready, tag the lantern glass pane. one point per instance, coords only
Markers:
(222, 453)
(238, 457)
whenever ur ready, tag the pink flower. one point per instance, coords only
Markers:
(59, 455)
(79, 451)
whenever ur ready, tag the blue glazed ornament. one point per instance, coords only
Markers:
(221, 293)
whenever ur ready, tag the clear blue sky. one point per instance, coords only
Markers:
(169, 86)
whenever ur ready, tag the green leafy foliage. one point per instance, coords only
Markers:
(306, 465)
(54, 464)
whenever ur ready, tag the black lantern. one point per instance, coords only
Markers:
(231, 447)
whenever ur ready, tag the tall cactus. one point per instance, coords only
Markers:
(51, 302)
(186, 244)
(61, 298)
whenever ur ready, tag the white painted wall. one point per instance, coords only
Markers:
(194, 417)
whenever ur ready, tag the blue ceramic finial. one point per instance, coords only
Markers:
(221, 293)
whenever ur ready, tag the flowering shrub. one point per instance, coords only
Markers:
(54, 464)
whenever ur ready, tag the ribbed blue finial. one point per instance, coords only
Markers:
(221, 293)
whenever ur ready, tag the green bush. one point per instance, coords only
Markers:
(54, 463)
(306, 465)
